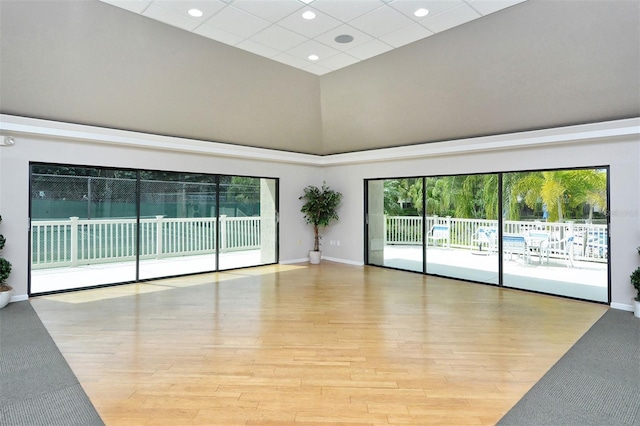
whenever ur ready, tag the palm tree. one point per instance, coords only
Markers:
(560, 190)
(401, 190)
(589, 187)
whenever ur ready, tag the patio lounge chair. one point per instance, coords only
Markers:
(439, 233)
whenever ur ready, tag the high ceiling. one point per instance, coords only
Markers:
(535, 65)
(318, 36)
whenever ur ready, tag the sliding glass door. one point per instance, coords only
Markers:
(177, 224)
(555, 232)
(395, 223)
(462, 227)
(94, 226)
(544, 231)
(81, 218)
(248, 221)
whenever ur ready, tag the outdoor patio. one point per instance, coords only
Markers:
(586, 280)
(65, 278)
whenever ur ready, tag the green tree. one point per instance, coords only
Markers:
(562, 190)
(398, 191)
(319, 209)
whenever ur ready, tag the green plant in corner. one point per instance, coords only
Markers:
(5, 267)
(319, 209)
(635, 280)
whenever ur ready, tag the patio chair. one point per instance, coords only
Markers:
(487, 237)
(515, 244)
(596, 245)
(564, 248)
(538, 242)
(439, 233)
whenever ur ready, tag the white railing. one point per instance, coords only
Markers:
(590, 240)
(75, 241)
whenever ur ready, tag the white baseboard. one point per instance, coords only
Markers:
(290, 261)
(622, 307)
(19, 298)
(348, 262)
(331, 259)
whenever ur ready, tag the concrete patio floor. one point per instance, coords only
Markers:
(65, 278)
(586, 280)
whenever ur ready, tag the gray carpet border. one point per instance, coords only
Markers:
(37, 386)
(597, 382)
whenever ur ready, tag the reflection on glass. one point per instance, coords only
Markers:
(395, 223)
(177, 224)
(93, 226)
(81, 217)
(248, 222)
(555, 236)
(462, 227)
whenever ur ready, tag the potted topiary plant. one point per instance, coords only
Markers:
(319, 210)
(5, 270)
(635, 282)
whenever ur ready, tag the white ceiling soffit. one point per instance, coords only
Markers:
(340, 33)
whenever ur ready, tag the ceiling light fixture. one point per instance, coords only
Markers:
(308, 15)
(196, 13)
(306, 1)
(421, 13)
(314, 57)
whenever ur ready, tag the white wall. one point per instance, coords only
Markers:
(14, 186)
(614, 144)
(621, 154)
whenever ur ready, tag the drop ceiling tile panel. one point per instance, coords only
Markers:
(328, 38)
(346, 10)
(312, 47)
(136, 6)
(278, 38)
(381, 21)
(370, 49)
(406, 35)
(291, 60)
(338, 61)
(435, 7)
(485, 7)
(450, 18)
(275, 28)
(309, 27)
(172, 18)
(257, 48)
(238, 22)
(218, 35)
(271, 10)
(182, 7)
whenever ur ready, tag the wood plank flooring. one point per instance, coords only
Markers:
(306, 344)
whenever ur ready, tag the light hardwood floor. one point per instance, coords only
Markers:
(301, 344)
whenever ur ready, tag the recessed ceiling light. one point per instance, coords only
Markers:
(420, 13)
(344, 38)
(308, 15)
(196, 13)
(306, 1)
(314, 57)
